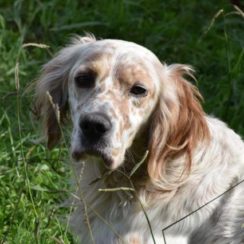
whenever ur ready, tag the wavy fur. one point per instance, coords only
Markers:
(192, 157)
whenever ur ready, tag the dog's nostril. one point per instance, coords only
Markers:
(100, 128)
(94, 126)
(85, 125)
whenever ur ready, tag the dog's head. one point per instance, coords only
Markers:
(115, 91)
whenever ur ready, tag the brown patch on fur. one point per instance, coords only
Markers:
(126, 122)
(99, 62)
(129, 74)
(176, 132)
(49, 106)
(135, 239)
(115, 153)
(53, 123)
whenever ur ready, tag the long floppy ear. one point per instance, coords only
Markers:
(178, 122)
(52, 89)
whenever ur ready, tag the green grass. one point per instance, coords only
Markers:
(33, 180)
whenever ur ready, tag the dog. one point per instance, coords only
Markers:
(144, 153)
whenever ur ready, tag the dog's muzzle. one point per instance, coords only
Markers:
(95, 129)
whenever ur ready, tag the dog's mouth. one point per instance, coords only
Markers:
(82, 154)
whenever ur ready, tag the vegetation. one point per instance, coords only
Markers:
(33, 181)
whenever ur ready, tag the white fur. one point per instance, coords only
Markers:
(216, 167)
(106, 217)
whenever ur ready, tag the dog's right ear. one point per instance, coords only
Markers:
(52, 89)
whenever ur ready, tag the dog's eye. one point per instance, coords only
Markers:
(86, 79)
(138, 91)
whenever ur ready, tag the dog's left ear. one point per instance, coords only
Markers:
(178, 122)
(52, 88)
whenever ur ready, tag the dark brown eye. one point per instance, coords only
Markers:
(86, 79)
(138, 91)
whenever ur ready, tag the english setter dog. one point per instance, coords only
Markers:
(145, 154)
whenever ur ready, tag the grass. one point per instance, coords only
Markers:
(33, 181)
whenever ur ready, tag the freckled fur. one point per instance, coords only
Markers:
(192, 157)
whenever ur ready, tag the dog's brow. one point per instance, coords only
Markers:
(129, 74)
(99, 62)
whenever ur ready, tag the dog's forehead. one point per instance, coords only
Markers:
(127, 61)
(116, 49)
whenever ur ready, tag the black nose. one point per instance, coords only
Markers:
(94, 126)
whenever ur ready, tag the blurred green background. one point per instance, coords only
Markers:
(207, 34)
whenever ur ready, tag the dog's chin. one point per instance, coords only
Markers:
(83, 154)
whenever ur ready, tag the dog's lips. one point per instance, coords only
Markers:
(82, 154)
